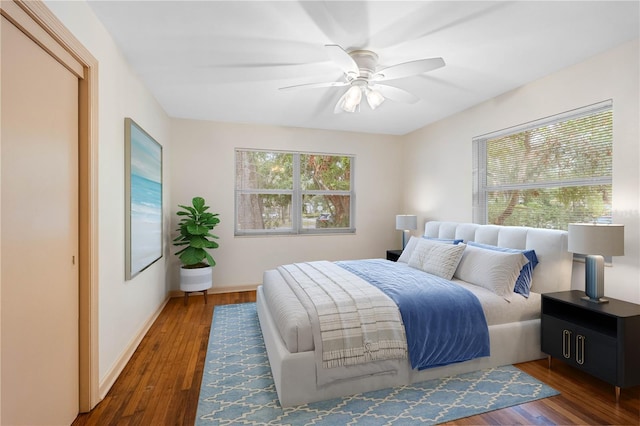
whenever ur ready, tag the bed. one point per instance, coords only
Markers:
(513, 322)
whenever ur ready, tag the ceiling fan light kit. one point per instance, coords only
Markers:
(361, 74)
(350, 101)
(374, 98)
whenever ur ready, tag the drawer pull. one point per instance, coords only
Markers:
(566, 343)
(580, 349)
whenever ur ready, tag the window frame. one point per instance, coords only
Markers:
(297, 196)
(480, 210)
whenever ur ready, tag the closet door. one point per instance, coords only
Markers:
(39, 212)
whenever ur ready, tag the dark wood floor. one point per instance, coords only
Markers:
(161, 382)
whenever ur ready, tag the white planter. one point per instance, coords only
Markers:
(196, 279)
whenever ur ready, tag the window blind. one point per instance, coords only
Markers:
(546, 173)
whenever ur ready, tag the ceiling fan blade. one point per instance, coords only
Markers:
(407, 69)
(342, 59)
(314, 85)
(396, 94)
(343, 22)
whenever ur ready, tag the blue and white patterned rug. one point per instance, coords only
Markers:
(237, 387)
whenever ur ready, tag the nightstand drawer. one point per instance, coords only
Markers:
(586, 349)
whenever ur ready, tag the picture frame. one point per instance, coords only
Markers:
(143, 199)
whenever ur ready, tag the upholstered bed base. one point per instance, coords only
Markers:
(295, 379)
(294, 373)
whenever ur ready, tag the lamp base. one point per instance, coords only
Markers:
(594, 278)
(598, 300)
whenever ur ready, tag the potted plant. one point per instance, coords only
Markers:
(195, 233)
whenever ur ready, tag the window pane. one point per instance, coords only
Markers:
(290, 192)
(550, 207)
(326, 211)
(325, 172)
(264, 211)
(264, 170)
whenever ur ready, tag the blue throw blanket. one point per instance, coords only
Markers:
(443, 321)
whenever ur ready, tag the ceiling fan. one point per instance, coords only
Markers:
(363, 77)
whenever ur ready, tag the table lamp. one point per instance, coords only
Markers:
(406, 222)
(595, 241)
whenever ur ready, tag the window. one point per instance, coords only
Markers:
(548, 173)
(279, 192)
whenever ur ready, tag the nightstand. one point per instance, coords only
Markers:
(600, 339)
(393, 255)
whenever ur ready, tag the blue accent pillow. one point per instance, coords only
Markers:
(444, 240)
(523, 283)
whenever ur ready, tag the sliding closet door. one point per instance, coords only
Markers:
(39, 171)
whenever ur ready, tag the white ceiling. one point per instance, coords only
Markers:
(225, 60)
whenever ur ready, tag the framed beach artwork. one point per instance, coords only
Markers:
(143, 193)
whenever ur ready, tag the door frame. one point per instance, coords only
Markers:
(35, 20)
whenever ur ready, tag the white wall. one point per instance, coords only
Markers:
(202, 164)
(439, 156)
(124, 306)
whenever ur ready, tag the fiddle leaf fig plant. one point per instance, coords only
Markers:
(195, 233)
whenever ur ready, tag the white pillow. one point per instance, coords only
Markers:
(411, 246)
(437, 258)
(494, 270)
(408, 249)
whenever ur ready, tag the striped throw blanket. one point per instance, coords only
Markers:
(358, 322)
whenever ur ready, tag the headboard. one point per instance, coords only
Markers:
(553, 272)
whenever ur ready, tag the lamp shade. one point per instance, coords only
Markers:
(596, 239)
(406, 221)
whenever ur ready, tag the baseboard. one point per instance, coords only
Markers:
(112, 375)
(219, 290)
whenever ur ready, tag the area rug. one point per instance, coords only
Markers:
(237, 387)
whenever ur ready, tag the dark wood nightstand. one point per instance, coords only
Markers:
(600, 339)
(393, 255)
